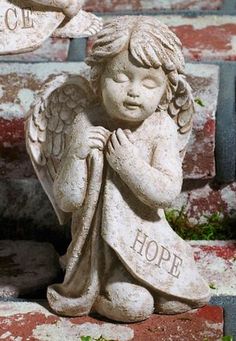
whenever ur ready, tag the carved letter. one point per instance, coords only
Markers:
(165, 256)
(142, 242)
(27, 21)
(147, 249)
(176, 263)
(8, 25)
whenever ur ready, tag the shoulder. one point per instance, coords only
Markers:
(166, 126)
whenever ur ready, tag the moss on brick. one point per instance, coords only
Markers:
(215, 226)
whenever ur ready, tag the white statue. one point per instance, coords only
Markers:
(69, 7)
(111, 156)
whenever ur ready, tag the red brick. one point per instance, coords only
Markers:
(204, 80)
(52, 50)
(32, 321)
(145, 5)
(206, 37)
(199, 199)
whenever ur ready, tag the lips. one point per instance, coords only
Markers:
(131, 105)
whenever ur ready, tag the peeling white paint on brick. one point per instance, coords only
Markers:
(9, 308)
(37, 73)
(65, 330)
(5, 335)
(1, 91)
(217, 269)
(41, 71)
(228, 195)
(9, 111)
(26, 97)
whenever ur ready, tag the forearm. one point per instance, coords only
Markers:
(154, 187)
(71, 184)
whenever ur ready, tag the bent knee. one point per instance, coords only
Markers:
(126, 302)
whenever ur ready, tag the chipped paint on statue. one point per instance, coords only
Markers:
(110, 156)
(25, 25)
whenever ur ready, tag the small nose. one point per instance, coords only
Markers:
(133, 91)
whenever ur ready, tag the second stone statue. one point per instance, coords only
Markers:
(109, 153)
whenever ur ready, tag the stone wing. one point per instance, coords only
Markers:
(49, 124)
(181, 109)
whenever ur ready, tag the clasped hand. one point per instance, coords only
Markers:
(117, 145)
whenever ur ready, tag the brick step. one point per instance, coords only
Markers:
(19, 83)
(22, 321)
(216, 261)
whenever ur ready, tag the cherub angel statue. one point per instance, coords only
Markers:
(110, 154)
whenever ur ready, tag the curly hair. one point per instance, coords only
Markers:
(152, 44)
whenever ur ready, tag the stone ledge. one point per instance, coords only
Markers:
(23, 321)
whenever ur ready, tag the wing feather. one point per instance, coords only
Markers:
(181, 109)
(48, 127)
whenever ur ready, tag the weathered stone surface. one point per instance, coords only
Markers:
(22, 29)
(216, 261)
(103, 175)
(82, 25)
(26, 267)
(145, 5)
(196, 35)
(19, 82)
(24, 321)
(52, 50)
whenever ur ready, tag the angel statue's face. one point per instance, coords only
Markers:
(131, 92)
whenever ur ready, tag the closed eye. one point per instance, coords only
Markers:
(149, 83)
(121, 78)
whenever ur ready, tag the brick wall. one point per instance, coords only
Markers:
(208, 32)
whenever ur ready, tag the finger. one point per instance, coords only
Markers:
(95, 143)
(114, 141)
(121, 137)
(110, 147)
(101, 130)
(129, 135)
(98, 137)
(108, 157)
